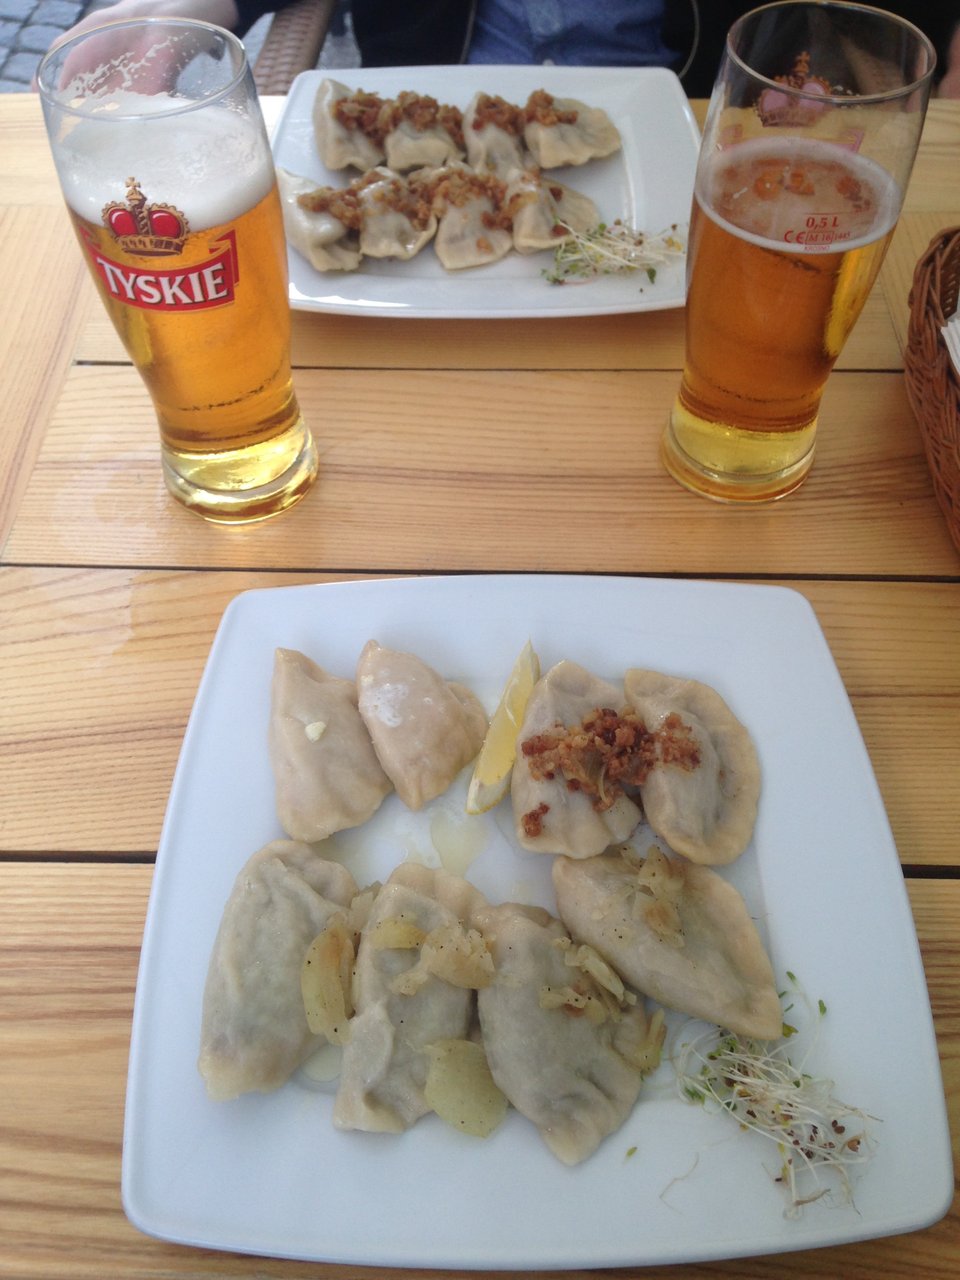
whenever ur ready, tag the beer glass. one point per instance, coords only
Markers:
(807, 148)
(166, 170)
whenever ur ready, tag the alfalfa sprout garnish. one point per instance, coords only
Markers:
(819, 1139)
(612, 248)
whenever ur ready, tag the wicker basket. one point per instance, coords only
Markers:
(292, 44)
(933, 384)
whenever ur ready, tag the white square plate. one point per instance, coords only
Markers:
(269, 1174)
(648, 184)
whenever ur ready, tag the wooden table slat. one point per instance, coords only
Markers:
(40, 316)
(454, 461)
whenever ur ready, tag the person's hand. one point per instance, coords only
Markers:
(222, 13)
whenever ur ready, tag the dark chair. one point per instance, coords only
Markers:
(292, 44)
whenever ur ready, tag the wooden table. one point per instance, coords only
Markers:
(434, 440)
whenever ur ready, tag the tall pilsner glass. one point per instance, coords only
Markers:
(807, 149)
(166, 169)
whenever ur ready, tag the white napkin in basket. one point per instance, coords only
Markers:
(951, 336)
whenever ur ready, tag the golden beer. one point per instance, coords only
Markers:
(176, 209)
(786, 240)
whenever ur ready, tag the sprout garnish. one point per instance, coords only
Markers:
(610, 249)
(756, 1082)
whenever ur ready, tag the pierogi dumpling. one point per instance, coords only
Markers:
(540, 210)
(562, 131)
(676, 931)
(550, 817)
(472, 230)
(395, 222)
(493, 135)
(254, 1033)
(326, 771)
(346, 126)
(327, 242)
(568, 1053)
(424, 729)
(419, 131)
(402, 1003)
(706, 812)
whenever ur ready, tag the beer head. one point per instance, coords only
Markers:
(211, 164)
(798, 196)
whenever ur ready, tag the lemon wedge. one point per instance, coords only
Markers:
(491, 773)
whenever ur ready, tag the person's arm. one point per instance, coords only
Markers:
(234, 15)
(949, 86)
(223, 13)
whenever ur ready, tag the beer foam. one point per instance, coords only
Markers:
(211, 163)
(815, 222)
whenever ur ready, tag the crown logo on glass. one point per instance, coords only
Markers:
(151, 230)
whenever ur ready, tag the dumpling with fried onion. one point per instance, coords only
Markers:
(493, 135)
(566, 1042)
(580, 812)
(321, 224)
(562, 131)
(418, 964)
(421, 132)
(347, 126)
(545, 213)
(678, 932)
(395, 222)
(254, 1031)
(473, 229)
(704, 802)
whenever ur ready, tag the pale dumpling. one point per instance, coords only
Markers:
(551, 817)
(402, 1003)
(395, 222)
(472, 229)
(254, 1033)
(562, 131)
(421, 132)
(676, 931)
(346, 126)
(544, 213)
(707, 811)
(493, 135)
(328, 242)
(327, 774)
(424, 729)
(563, 1040)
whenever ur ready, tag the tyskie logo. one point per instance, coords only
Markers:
(780, 107)
(160, 231)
